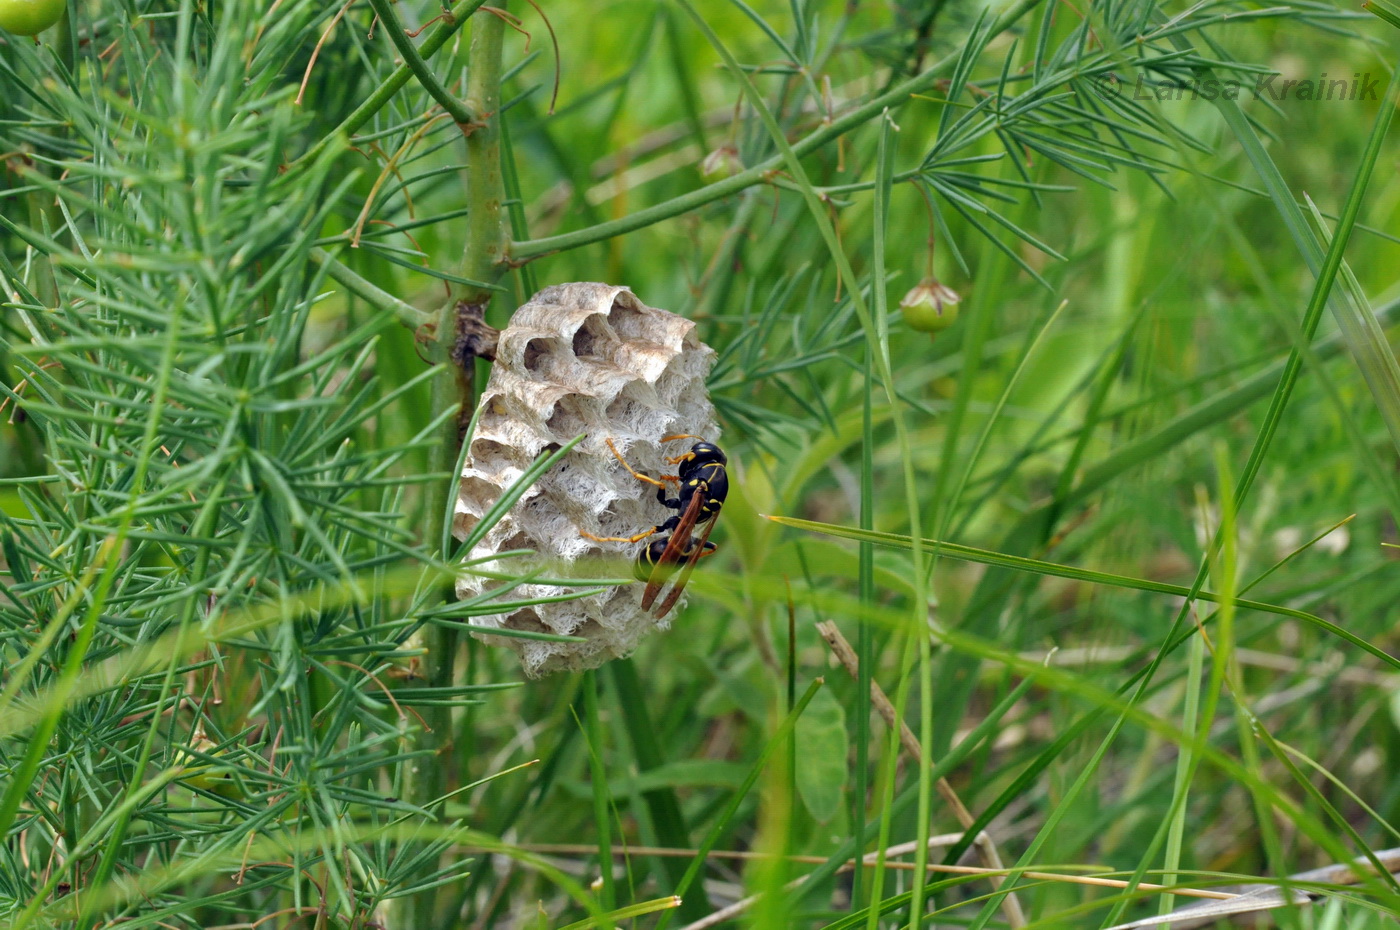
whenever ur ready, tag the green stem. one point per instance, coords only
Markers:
(380, 299)
(534, 248)
(598, 778)
(460, 331)
(67, 39)
(382, 94)
(487, 237)
(41, 216)
(415, 63)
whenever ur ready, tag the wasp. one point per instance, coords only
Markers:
(652, 558)
(703, 483)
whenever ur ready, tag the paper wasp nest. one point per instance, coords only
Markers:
(592, 359)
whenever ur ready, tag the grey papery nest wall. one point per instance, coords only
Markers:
(592, 359)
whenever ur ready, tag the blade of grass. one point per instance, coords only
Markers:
(593, 729)
(963, 553)
(775, 742)
(629, 912)
(664, 806)
(1326, 267)
(1358, 335)
(871, 324)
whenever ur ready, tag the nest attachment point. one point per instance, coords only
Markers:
(591, 359)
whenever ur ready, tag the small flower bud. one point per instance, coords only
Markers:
(930, 306)
(723, 161)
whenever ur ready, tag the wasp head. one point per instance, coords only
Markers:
(701, 454)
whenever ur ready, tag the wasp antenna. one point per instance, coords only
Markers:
(682, 436)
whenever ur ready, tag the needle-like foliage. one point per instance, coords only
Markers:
(1112, 544)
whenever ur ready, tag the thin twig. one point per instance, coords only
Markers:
(868, 860)
(316, 52)
(408, 314)
(391, 168)
(455, 108)
(558, 62)
(985, 847)
(461, 12)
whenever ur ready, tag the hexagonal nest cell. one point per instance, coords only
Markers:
(591, 359)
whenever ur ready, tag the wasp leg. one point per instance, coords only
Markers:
(627, 539)
(632, 471)
(672, 503)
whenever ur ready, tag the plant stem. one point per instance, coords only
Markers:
(462, 336)
(487, 238)
(380, 299)
(45, 285)
(415, 63)
(384, 92)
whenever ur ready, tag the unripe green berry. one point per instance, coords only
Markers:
(930, 306)
(29, 17)
(198, 773)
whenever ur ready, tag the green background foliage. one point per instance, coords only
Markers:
(235, 688)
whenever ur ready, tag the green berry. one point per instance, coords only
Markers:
(930, 306)
(197, 773)
(29, 17)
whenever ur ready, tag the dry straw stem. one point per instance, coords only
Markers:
(1262, 897)
(985, 847)
(868, 860)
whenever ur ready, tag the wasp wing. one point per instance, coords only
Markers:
(684, 579)
(669, 556)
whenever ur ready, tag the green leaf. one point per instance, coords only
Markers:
(1383, 10)
(822, 746)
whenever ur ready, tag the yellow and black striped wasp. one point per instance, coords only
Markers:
(703, 485)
